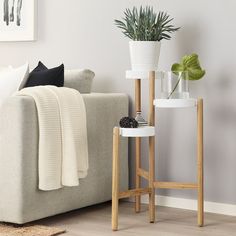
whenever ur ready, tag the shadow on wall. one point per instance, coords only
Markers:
(165, 125)
(218, 90)
(103, 84)
(221, 133)
(189, 40)
(224, 110)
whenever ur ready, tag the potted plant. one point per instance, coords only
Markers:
(174, 83)
(146, 29)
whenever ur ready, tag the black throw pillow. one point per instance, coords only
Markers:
(39, 67)
(41, 75)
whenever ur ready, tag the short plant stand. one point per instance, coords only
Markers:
(149, 131)
(138, 133)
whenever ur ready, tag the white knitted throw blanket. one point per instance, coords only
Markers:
(63, 147)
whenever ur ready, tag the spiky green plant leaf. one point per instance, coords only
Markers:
(145, 25)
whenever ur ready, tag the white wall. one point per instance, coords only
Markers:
(81, 33)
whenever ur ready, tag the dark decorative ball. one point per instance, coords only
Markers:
(128, 122)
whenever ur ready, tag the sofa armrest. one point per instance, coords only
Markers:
(18, 129)
(20, 199)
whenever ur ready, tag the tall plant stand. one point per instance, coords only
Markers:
(149, 131)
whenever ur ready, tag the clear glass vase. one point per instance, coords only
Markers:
(174, 85)
(140, 119)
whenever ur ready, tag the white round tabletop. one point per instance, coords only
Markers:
(143, 131)
(175, 103)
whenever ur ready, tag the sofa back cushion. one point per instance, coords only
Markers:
(79, 79)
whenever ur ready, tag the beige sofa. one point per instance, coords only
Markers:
(20, 199)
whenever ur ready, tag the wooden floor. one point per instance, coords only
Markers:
(96, 220)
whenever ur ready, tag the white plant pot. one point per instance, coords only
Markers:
(144, 55)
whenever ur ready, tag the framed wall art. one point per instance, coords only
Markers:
(18, 20)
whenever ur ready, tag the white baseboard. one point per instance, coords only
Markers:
(191, 204)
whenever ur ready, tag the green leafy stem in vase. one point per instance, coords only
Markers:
(189, 64)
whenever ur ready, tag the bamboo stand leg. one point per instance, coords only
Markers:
(151, 121)
(200, 161)
(137, 143)
(115, 178)
(138, 160)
